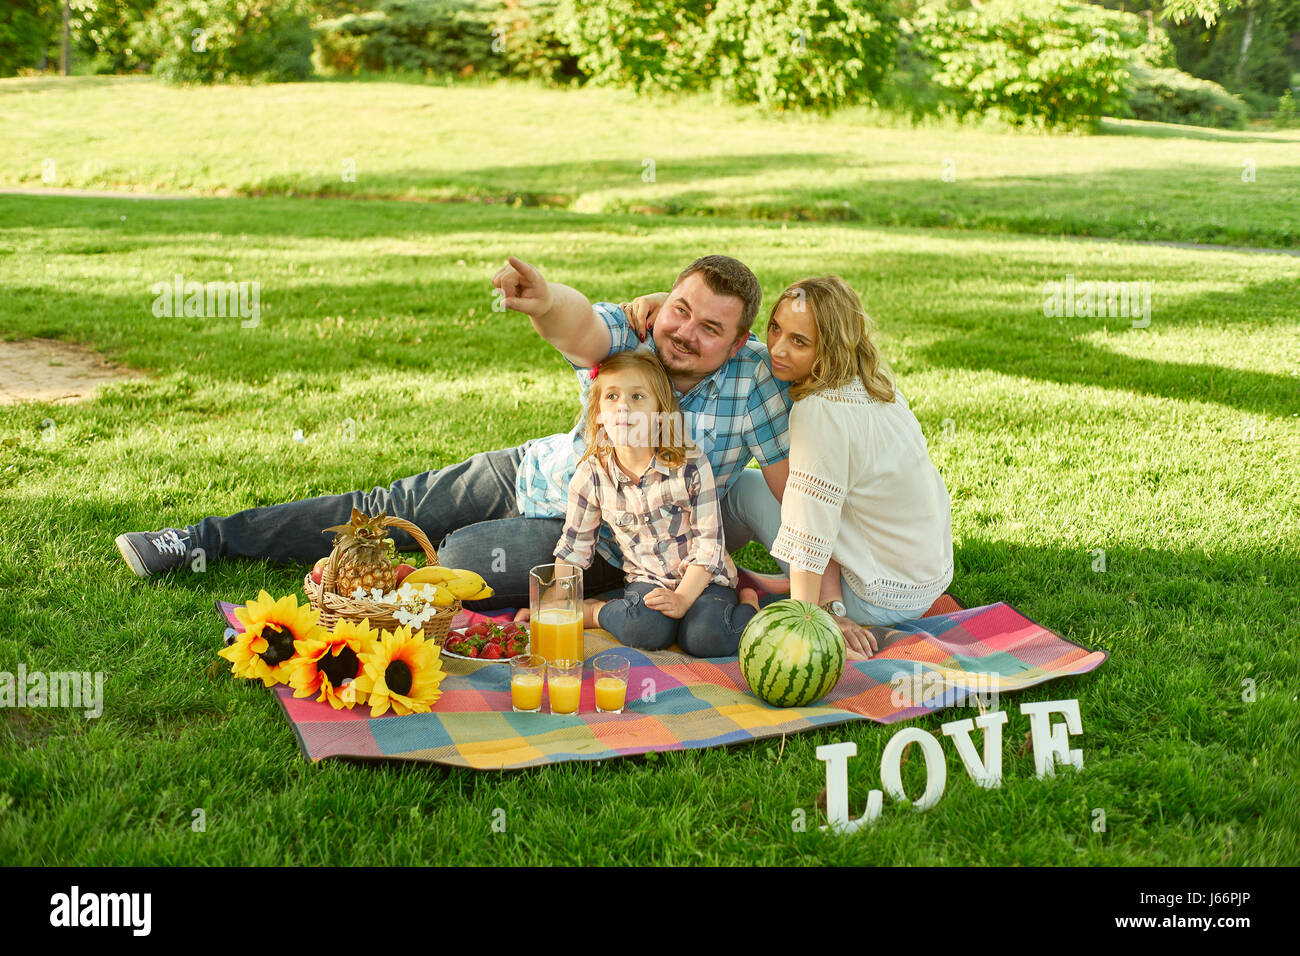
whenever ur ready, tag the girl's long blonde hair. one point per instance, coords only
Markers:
(844, 345)
(673, 444)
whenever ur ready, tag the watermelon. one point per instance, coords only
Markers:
(791, 653)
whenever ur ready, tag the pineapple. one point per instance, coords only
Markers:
(366, 558)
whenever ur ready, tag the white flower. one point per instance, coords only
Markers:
(358, 592)
(428, 592)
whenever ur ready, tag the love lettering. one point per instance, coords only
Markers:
(1051, 743)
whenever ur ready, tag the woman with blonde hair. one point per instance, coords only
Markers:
(864, 525)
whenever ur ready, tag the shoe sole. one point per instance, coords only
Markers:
(130, 557)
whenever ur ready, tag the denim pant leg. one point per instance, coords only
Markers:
(713, 624)
(438, 502)
(750, 513)
(636, 625)
(503, 551)
(869, 614)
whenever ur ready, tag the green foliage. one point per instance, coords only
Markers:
(909, 89)
(1208, 11)
(431, 37)
(642, 46)
(1247, 50)
(1172, 96)
(113, 35)
(1286, 115)
(1036, 62)
(816, 54)
(215, 41)
(811, 54)
(532, 48)
(27, 34)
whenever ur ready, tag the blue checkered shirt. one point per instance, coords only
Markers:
(738, 414)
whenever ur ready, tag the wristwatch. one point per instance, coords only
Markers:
(836, 607)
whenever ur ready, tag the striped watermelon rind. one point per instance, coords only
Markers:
(792, 653)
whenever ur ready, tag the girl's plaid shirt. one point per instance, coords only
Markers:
(663, 523)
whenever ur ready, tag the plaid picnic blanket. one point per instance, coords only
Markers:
(676, 702)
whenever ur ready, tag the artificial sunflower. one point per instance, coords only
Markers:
(401, 670)
(265, 648)
(323, 664)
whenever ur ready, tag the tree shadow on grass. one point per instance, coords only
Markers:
(1002, 326)
(1158, 203)
(1158, 131)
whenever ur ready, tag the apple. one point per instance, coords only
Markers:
(402, 571)
(318, 569)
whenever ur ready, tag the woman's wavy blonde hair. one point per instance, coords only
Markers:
(844, 345)
(674, 443)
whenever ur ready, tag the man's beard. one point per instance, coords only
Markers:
(683, 361)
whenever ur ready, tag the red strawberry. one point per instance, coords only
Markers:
(491, 652)
(470, 651)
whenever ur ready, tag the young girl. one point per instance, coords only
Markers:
(641, 476)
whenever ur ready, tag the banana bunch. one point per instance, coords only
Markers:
(451, 584)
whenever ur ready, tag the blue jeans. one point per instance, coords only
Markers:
(711, 627)
(749, 512)
(469, 512)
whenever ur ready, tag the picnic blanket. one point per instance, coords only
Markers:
(677, 702)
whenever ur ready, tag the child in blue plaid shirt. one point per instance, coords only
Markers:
(641, 475)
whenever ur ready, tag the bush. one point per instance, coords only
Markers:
(642, 46)
(114, 34)
(27, 35)
(815, 54)
(807, 53)
(532, 48)
(1035, 62)
(1286, 117)
(432, 37)
(1171, 96)
(214, 41)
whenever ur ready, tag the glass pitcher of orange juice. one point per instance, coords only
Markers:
(555, 611)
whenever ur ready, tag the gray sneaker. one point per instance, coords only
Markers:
(154, 552)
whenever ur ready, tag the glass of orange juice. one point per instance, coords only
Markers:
(611, 672)
(564, 685)
(527, 674)
(555, 606)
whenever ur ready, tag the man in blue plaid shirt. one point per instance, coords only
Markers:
(501, 513)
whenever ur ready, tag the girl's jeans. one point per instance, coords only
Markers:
(711, 627)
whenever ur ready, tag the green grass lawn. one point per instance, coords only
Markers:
(603, 151)
(1173, 448)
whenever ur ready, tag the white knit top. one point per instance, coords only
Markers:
(862, 489)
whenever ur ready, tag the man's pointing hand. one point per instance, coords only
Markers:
(525, 289)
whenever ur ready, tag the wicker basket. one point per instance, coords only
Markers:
(333, 606)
